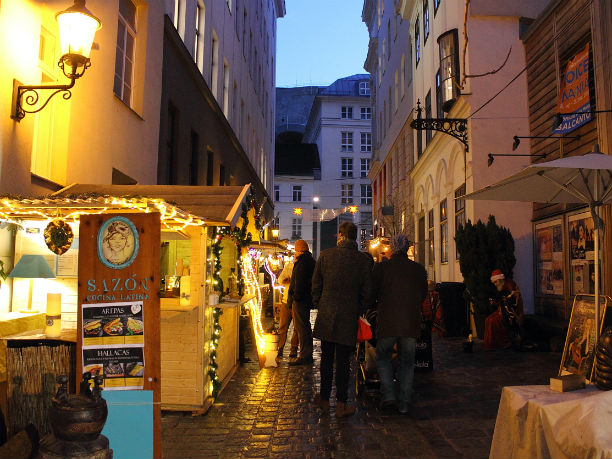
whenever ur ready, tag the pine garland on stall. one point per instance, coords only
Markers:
(213, 366)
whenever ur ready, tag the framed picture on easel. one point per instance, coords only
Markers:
(579, 349)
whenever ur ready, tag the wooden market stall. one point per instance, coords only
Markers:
(192, 326)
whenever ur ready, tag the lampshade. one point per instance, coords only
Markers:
(32, 267)
(77, 29)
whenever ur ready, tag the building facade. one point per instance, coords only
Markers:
(456, 79)
(563, 234)
(218, 99)
(340, 125)
(388, 62)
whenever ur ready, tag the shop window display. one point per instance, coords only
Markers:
(549, 252)
(582, 253)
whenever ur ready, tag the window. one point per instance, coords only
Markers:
(364, 88)
(194, 166)
(229, 5)
(210, 168)
(226, 84)
(347, 141)
(198, 49)
(430, 234)
(439, 110)
(365, 167)
(222, 175)
(277, 193)
(459, 209)
(403, 76)
(396, 93)
(124, 57)
(417, 41)
(347, 194)
(366, 141)
(389, 37)
(449, 68)
(347, 112)
(176, 18)
(214, 63)
(366, 113)
(436, 5)
(297, 193)
(428, 132)
(171, 144)
(296, 228)
(347, 167)
(384, 53)
(425, 20)
(419, 140)
(366, 194)
(390, 118)
(443, 233)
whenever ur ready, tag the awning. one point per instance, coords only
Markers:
(179, 205)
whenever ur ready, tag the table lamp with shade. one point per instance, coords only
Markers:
(32, 267)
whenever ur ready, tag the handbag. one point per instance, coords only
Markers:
(364, 330)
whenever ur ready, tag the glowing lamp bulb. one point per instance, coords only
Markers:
(77, 27)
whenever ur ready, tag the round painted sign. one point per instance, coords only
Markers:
(117, 243)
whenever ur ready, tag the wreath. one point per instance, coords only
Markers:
(58, 236)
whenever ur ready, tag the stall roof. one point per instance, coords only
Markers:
(179, 205)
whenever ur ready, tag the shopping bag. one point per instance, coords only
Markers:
(364, 330)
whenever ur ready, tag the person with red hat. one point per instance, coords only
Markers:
(502, 327)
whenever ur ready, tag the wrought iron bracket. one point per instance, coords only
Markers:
(455, 127)
(26, 97)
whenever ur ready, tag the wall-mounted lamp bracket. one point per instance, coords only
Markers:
(455, 127)
(491, 157)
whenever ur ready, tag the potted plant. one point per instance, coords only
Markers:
(483, 248)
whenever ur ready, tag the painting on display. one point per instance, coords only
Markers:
(581, 233)
(549, 251)
(579, 350)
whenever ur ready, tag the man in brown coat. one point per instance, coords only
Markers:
(400, 286)
(341, 286)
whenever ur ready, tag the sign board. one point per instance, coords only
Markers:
(574, 95)
(119, 315)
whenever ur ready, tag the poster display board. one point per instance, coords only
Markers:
(579, 350)
(118, 314)
(582, 254)
(549, 253)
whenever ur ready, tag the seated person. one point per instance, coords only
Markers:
(503, 326)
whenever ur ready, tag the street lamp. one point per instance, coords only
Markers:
(77, 28)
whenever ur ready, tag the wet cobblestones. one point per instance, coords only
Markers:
(270, 412)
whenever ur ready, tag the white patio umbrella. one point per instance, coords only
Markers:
(576, 179)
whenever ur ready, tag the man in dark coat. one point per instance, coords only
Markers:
(400, 286)
(300, 300)
(341, 287)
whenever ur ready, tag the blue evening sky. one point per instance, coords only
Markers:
(319, 41)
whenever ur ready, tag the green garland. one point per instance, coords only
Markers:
(213, 366)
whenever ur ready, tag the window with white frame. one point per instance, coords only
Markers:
(425, 20)
(366, 141)
(430, 235)
(297, 193)
(346, 167)
(436, 6)
(347, 193)
(347, 112)
(214, 65)
(417, 41)
(198, 45)
(365, 167)
(459, 211)
(396, 93)
(226, 88)
(229, 5)
(366, 194)
(443, 233)
(176, 18)
(277, 193)
(403, 76)
(124, 58)
(346, 141)
(366, 113)
(364, 88)
(296, 228)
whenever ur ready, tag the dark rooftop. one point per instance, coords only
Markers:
(347, 86)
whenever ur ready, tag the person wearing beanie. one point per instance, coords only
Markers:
(503, 326)
(300, 300)
(286, 315)
(341, 292)
(399, 288)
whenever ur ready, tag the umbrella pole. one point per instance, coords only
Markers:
(596, 285)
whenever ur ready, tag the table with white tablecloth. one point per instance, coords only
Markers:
(536, 422)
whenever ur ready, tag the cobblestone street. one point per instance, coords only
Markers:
(270, 412)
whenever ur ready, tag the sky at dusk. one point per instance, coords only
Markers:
(319, 41)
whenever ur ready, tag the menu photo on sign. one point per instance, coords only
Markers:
(121, 366)
(113, 323)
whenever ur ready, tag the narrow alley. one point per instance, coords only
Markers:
(270, 412)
